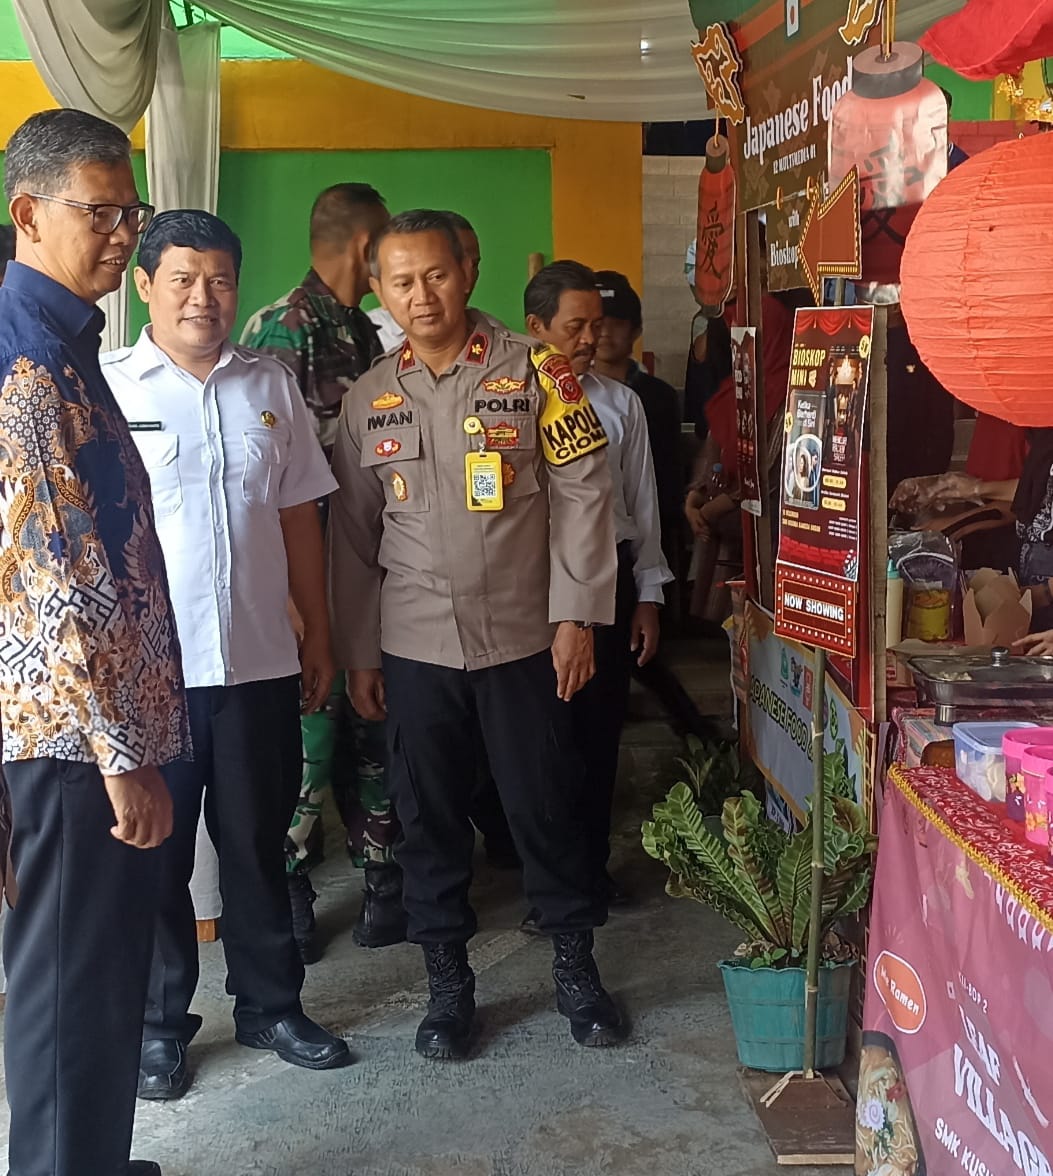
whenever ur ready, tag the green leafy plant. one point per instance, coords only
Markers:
(713, 772)
(760, 877)
(836, 779)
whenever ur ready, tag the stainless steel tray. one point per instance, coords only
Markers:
(992, 679)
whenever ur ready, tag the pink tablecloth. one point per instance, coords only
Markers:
(958, 1021)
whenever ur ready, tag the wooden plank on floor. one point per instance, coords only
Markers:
(809, 1123)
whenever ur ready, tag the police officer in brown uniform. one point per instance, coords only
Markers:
(472, 551)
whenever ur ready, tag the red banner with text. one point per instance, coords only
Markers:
(820, 525)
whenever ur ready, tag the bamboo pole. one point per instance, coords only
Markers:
(815, 922)
(811, 990)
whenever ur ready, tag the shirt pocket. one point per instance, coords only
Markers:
(160, 454)
(262, 470)
(514, 437)
(395, 455)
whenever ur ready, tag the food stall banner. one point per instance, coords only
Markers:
(820, 526)
(780, 675)
(957, 1031)
(744, 369)
(793, 71)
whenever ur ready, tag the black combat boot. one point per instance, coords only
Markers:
(382, 919)
(445, 1031)
(580, 997)
(301, 899)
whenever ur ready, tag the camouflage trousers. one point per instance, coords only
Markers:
(348, 754)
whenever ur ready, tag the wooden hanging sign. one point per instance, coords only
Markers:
(831, 240)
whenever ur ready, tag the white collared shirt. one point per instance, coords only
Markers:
(636, 518)
(392, 335)
(224, 457)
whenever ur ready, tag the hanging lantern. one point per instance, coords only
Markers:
(981, 41)
(977, 280)
(892, 126)
(715, 242)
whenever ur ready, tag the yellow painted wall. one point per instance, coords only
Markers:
(597, 186)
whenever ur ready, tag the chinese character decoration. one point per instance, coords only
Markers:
(861, 17)
(892, 126)
(1028, 109)
(715, 243)
(720, 67)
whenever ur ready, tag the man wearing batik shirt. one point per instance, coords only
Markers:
(319, 331)
(91, 691)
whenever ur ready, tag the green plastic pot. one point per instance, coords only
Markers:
(767, 1014)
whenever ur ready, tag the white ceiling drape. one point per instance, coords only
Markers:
(624, 60)
(96, 55)
(595, 59)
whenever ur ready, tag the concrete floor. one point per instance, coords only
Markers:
(529, 1102)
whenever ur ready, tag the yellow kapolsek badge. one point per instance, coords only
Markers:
(569, 425)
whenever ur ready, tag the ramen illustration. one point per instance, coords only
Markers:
(887, 1142)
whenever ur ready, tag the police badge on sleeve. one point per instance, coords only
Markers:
(569, 425)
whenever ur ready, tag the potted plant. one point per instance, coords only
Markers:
(759, 878)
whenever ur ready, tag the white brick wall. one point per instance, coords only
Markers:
(670, 200)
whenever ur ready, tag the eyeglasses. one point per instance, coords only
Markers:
(106, 217)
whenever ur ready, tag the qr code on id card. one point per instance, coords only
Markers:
(484, 485)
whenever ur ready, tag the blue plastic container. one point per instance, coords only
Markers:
(979, 759)
(767, 1014)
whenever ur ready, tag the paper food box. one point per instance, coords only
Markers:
(995, 610)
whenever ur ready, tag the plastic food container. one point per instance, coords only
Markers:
(979, 758)
(1036, 762)
(1049, 809)
(1014, 744)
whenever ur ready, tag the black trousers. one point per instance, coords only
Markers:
(432, 717)
(599, 712)
(247, 764)
(76, 951)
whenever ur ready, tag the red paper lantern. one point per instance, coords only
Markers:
(715, 237)
(977, 281)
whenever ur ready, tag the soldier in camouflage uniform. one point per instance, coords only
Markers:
(320, 332)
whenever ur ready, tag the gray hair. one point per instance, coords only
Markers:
(417, 220)
(48, 146)
(462, 223)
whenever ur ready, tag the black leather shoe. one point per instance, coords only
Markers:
(143, 1168)
(382, 919)
(580, 996)
(162, 1071)
(301, 900)
(446, 1031)
(296, 1039)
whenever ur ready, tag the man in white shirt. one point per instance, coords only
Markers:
(236, 473)
(564, 308)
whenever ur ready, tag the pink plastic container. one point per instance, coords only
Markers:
(1036, 762)
(1014, 744)
(1049, 809)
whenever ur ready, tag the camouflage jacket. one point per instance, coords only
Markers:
(326, 344)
